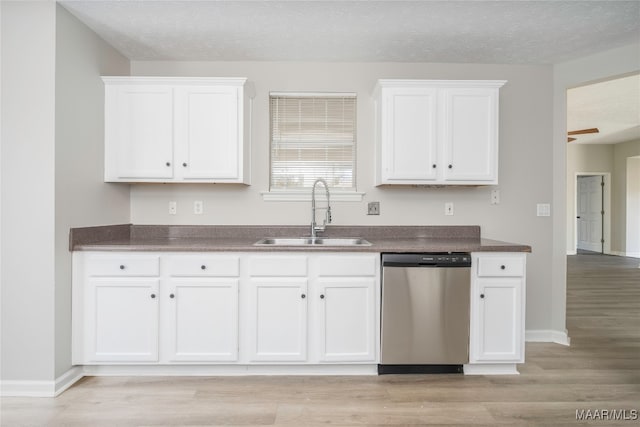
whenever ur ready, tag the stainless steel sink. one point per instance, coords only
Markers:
(309, 241)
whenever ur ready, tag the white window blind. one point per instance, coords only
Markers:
(313, 136)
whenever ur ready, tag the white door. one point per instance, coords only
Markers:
(139, 131)
(207, 144)
(589, 213)
(499, 323)
(470, 134)
(201, 320)
(278, 320)
(346, 319)
(122, 320)
(408, 133)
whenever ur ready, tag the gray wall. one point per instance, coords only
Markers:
(525, 161)
(51, 178)
(27, 239)
(82, 198)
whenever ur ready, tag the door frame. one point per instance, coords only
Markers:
(606, 219)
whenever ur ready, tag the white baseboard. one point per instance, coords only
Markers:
(547, 335)
(572, 252)
(68, 379)
(626, 254)
(491, 369)
(229, 370)
(28, 388)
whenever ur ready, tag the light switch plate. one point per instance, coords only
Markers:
(448, 208)
(543, 209)
(173, 208)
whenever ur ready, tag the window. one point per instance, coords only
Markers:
(313, 136)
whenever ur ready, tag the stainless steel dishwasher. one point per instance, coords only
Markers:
(425, 312)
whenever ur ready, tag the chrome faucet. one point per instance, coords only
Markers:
(315, 228)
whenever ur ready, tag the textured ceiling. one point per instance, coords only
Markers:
(612, 106)
(516, 32)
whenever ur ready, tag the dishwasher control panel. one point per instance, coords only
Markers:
(427, 260)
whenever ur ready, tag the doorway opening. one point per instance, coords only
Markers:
(592, 225)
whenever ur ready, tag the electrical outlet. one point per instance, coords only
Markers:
(198, 207)
(495, 197)
(173, 208)
(448, 208)
(373, 208)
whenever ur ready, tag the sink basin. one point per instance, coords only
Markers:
(309, 241)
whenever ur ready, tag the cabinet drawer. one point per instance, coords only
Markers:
(347, 265)
(195, 265)
(266, 266)
(500, 266)
(123, 265)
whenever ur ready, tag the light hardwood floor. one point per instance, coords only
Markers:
(600, 370)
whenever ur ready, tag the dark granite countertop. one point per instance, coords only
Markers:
(193, 238)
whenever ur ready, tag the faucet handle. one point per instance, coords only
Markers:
(329, 215)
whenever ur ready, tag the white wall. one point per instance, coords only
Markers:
(28, 126)
(621, 153)
(525, 161)
(81, 196)
(633, 206)
(600, 66)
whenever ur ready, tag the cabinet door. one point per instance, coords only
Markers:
(201, 320)
(498, 326)
(346, 319)
(278, 320)
(121, 320)
(138, 132)
(408, 135)
(207, 132)
(470, 134)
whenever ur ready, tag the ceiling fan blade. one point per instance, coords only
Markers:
(583, 131)
(571, 139)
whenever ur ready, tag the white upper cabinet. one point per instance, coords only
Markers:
(138, 132)
(437, 132)
(177, 129)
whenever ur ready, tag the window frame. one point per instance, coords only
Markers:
(304, 193)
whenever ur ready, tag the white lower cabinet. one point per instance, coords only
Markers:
(121, 317)
(277, 320)
(206, 309)
(128, 309)
(497, 309)
(200, 308)
(499, 326)
(346, 319)
(201, 320)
